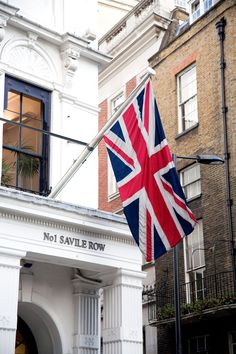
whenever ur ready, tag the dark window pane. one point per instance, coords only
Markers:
(201, 344)
(193, 345)
(25, 160)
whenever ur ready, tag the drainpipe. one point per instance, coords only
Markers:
(220, 27)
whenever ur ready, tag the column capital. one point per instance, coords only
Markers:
(124, 277)
(11, 257)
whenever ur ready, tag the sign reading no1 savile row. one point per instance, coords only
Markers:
(73, 241)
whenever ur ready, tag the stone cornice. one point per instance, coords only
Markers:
(58, 39)
(25, 208)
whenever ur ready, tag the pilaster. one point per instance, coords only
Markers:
(9, 275)
(122, 320)
(87, 318)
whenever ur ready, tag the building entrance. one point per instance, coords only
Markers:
(36, 331)
(25, 342)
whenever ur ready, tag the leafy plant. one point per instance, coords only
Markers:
(197, 307)
(28, 165)
(6, 168)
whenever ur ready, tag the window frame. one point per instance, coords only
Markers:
(206, 350)
(193, 291)
(184, 185)
(29, 90)
(231, 341)
(181, 104)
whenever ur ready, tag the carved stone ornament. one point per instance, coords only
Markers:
(70, 57)
(3, 23)
(28, 59)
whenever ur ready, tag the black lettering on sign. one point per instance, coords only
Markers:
(73, 241)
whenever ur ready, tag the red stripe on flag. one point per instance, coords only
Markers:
(148, 237)
(179, 202)
(146, 107)
(145, 179)
(119, 151)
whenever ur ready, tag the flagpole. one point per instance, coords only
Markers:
(96, 140)
(178, 332)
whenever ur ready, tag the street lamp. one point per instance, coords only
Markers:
(202, 159)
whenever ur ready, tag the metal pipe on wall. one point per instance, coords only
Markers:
(220, 27)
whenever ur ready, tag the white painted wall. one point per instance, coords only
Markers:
(59, 15)
(35, 49)
(110, 12)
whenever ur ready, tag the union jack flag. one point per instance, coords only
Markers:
(153, 201)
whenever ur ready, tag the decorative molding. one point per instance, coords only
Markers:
(65, 97)
(121, 333)
(88, 341)
(70, 54)
(86, 289)
(144, 6)
(117, 31)
(32, 39)
(6, 322)
(111, 334)
(65, 227)
(27, 56)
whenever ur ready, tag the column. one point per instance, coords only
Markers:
(9, 282)
(122, 319)
(87, 318)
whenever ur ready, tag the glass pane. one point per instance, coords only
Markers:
(11, 133)
(28, 172)
(201, 343)
(188, 86)
(8, 168)
(31, 116)
(233, 335)
(13, 105)
(117, 102)
(193, 345)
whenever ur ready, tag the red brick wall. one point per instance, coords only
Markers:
(104, 203)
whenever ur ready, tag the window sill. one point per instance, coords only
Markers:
(194, 198)
(179, 135)
(148, 265)
(113, 196)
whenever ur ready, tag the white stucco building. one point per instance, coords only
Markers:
(131, 42)
(55, 256)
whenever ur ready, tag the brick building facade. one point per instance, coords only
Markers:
(188, 88)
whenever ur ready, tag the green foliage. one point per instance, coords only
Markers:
(197, 307)
(6, 168)
(28, 165)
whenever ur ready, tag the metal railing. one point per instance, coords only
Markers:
(211, 291)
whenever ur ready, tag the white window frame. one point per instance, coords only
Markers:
(191, 188)
(194, 263)
(204, 6)
(116, 102)
(184, 124)
(231, 342)
(181, 3)
(112, 185)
